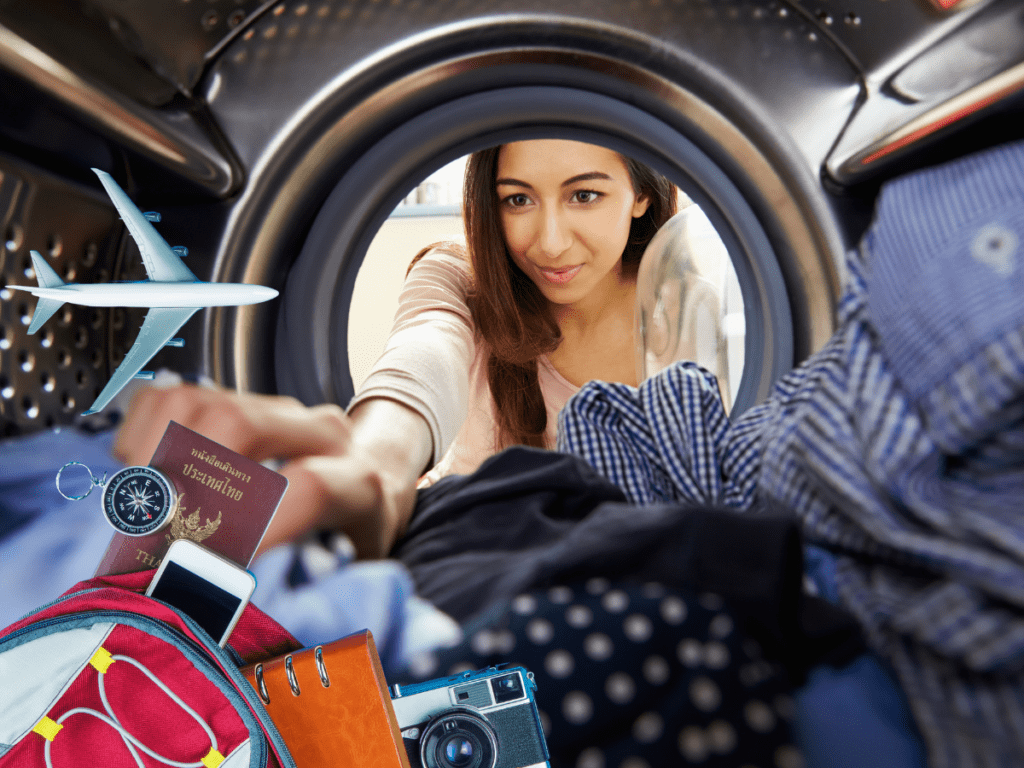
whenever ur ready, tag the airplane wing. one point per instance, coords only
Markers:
(162, 264)
(160, 325)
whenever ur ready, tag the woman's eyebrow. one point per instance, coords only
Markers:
(512, 183)
(589, 176)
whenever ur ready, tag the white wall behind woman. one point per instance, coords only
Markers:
(379, 282)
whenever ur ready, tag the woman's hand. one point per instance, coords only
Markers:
(259, 427)
(355, 474)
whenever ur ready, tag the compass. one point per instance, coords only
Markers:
(139, 501)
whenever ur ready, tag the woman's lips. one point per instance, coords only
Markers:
(560, 276)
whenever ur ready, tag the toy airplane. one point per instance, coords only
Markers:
(172, 292)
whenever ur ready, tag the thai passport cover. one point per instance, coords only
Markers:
(331, 705)
(225, 503)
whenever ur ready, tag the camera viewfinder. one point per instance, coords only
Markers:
(507, 688)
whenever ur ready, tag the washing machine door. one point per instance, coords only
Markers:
(738, 106)
(276, 138)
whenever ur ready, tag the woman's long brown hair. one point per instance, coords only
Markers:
(510, 314)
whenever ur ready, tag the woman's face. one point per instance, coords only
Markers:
(566, 209)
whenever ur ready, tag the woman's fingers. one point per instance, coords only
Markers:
(145, 421)
(363, 484)
(257, 426)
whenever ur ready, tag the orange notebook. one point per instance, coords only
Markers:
(331, 705)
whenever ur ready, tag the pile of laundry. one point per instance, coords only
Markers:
(899, 446)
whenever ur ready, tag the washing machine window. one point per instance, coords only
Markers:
(692, 301)
(321, 282)
(756, 108)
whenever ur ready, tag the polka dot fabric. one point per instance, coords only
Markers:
(636, 676)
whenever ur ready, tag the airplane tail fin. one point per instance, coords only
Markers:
(44, 272)
(45, 308)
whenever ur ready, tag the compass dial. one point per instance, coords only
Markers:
(138, 501)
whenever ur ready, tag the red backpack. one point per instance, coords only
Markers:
(105, 676)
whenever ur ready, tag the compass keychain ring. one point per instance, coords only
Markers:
(137, 501)
(93, 481)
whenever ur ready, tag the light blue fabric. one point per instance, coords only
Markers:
(318, 594)
(48, 543)
(955, 233)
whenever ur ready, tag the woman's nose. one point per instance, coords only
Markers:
(555, 237)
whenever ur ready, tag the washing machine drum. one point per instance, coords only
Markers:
(331, 112)
(357, 108)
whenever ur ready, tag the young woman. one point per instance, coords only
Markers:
(484, 353)
(544, 303)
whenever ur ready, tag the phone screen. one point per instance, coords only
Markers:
(211, 606)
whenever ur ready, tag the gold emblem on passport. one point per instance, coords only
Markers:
(189, 527)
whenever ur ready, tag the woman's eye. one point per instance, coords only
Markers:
(516, 201)
(586, 196)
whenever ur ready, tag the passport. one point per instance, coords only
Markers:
(225, 503)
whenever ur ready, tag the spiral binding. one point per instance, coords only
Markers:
(321, 668)
(293, 680)
(261, 685)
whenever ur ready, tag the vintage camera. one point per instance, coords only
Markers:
(484, 719)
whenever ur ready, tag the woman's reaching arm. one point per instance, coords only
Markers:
(356, 473)
(366, 489)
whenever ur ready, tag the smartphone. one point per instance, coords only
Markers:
(203, 585)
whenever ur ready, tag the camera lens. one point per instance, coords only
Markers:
(459, 738)
(458, 751)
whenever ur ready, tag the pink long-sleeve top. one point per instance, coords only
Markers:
(432, 364)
